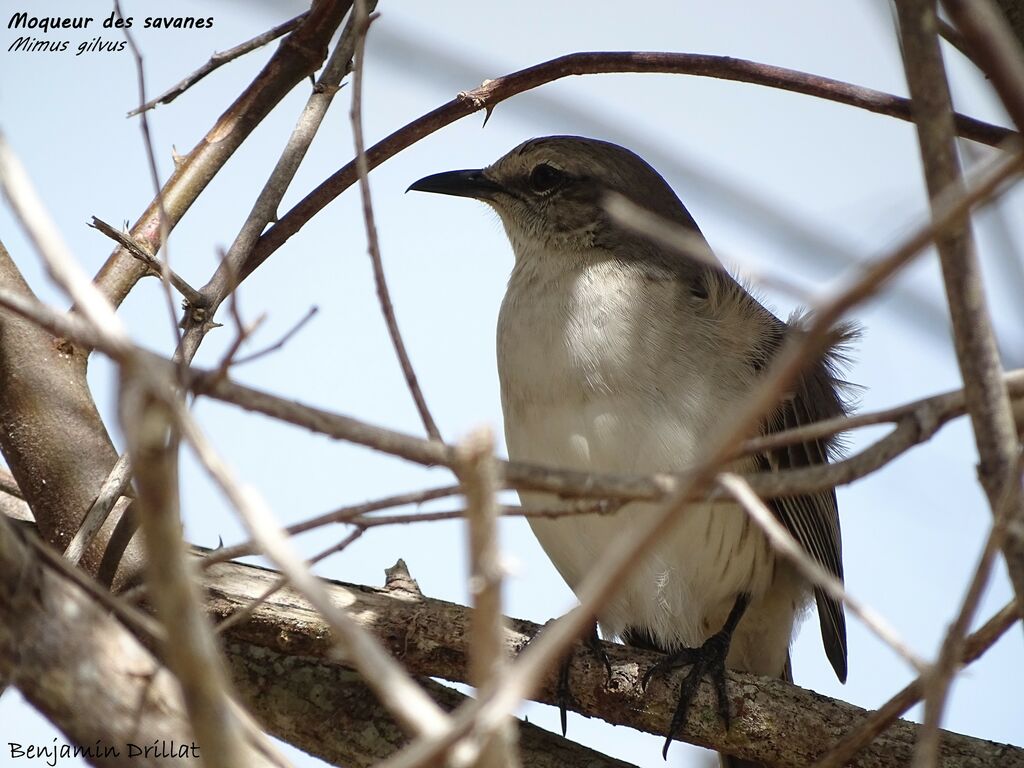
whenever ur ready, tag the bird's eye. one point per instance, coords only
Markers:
(545, 178)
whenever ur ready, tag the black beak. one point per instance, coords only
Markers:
(470, 183)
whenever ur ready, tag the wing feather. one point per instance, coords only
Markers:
(813, 519)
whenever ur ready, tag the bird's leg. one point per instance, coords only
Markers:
(564, 693)
(709, 661)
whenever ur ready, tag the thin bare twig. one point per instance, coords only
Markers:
(570, 509)
(363, 21)
(109, 495)
(264, 210)
(232, 359)
(688, 243)
(784, 543)
(917, 424)
(936, 409)
(535, 477)
(876, 722)
(780, 724)
(279, 344)
(939, 676)
(487, 662)
(342, 515)
(200, 320)
(156, 266)
(974, 339)
(163, 221)
(393, 686)
(190, 650)
(121, 537)
(952, 36)
(994, 48)
(219, 59)
(912, 429)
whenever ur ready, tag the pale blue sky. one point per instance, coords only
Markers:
(743, 158)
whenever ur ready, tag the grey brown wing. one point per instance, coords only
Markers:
(813, 519)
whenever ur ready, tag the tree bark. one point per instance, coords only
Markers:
(774, 722)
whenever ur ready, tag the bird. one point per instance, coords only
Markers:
(618, 355)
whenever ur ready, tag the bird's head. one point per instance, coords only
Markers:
(550, 192)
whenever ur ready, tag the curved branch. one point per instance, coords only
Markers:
(493, 92)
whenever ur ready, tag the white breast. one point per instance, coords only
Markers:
(596, 375)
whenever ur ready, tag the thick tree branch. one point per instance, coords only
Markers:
(327, 710)
(1014, 12)
(996, 51)
(81, 668)
(282, 661)
(775, 722)
(50, 431)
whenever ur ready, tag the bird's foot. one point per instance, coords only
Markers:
(564, 697)
(563, 694)
(706, 661)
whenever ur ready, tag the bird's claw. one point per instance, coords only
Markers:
(564, 697)
(706, 661)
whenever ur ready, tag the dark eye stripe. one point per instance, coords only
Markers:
(545, 178)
